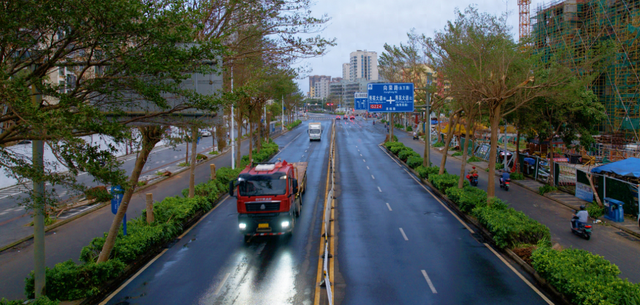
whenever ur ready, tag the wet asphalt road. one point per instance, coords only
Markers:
(398, 245)
(212, 264)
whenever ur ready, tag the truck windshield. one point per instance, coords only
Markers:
(314, 131)
(260, 185)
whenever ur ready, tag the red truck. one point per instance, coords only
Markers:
(269, 198)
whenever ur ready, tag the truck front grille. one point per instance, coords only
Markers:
(257, 206)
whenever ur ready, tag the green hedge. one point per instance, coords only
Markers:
(510, 227)
(584, 278)
(414, 161)
(445, 181)
(294, 124)
(406, 153)
(396, 149)
(40, 301)
(424, 172)
(70, 281)
(388, 145)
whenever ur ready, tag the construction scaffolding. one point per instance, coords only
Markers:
(568, 30)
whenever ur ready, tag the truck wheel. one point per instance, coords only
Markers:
(298, 208)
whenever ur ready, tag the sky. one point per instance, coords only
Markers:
(369, 24)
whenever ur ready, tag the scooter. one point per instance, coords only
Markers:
(505, 184)
(415, 135)
(582, 230)
(473, 179)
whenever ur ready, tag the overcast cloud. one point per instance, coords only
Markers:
(369, 24)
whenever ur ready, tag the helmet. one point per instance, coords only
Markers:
(582, 208)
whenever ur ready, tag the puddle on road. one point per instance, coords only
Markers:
(433, 214)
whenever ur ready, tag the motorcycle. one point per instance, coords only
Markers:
(473, 179)
(415, 135)
(505, 184)
(582, 230)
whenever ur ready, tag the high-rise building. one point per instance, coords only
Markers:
(363, 65)
(320, 85)
(345, 71)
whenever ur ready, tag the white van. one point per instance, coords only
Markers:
(315, 131)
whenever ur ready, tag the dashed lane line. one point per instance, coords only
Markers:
(403, 235)
(426, 277)
(372, 177)
(390, 210)
(379, 190)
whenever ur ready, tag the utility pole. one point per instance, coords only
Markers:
(39, 206)
(506, 163)
(282, 117)
(233, 142)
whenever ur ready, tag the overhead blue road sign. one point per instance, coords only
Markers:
(360, 101)
(390, 97)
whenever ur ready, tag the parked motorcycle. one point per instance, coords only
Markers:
(415, 135)
(473, 179)
(505, 184)
(582, 230)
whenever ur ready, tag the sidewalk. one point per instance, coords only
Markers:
(555, 211)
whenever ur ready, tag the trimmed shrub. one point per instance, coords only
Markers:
(471, 198)
(510, 227)
(445, 181)
(388, 145)
(226, 174)
(583, 277)
(397, 148)
(68, 281)
(409, 128)
(294, 124)
(422, 171)
(457, 153)
(454, 193)
(406, 153)
(438, 144)
(414, 161)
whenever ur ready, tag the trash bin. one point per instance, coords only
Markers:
(613, 210)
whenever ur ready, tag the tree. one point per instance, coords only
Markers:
(476, 53)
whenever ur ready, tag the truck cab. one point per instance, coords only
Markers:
(269, 198)
(315, 131)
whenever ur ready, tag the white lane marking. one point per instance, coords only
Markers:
(379, 190)
(372, 177)
(222, 283)
(368, 168)
(403, 235)
(360, 155)
(390, 210)
(364, 161)
(519, 275)
(436, 198)
(426, 277)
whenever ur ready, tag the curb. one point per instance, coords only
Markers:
(486, 234)
(101, 205)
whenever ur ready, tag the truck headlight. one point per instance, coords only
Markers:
(242, 226)
(285, 224)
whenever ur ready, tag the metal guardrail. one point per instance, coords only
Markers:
(327, 216)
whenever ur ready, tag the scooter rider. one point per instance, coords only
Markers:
(583, 217)
(473, 171)
(505, 176)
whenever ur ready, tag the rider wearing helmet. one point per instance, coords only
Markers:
(473, 171)
(583, 216)
(505, 175)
